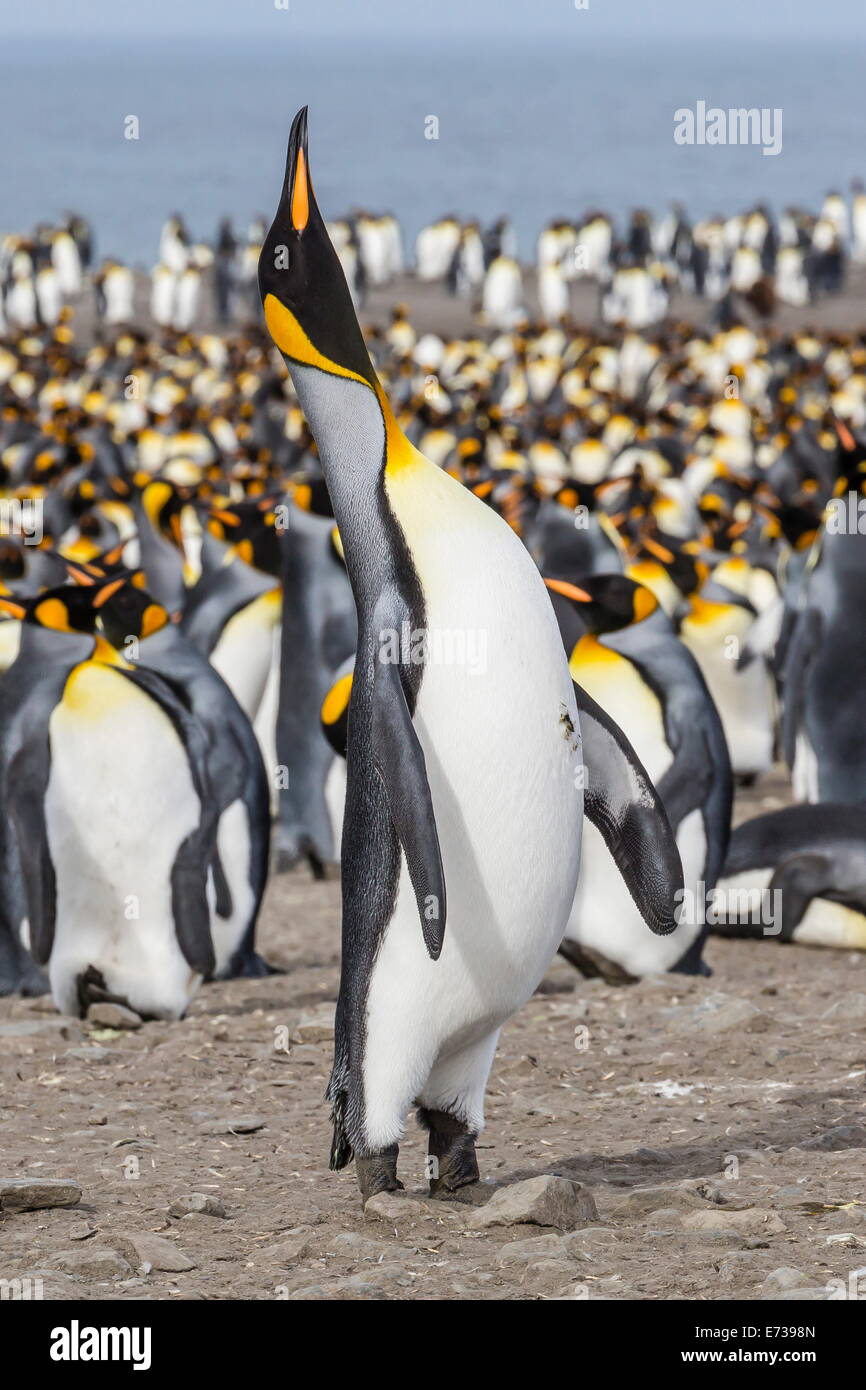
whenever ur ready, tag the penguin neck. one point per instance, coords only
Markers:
(359, 441)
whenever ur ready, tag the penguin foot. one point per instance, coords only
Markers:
(250, 966)
(378, 1172)
(592, 965)
(451, 1160)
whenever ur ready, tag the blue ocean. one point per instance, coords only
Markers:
(535, 130)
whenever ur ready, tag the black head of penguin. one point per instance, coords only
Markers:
(606, 602)
(122, 606)
(308, 307)
(163, 501)
(67, 608)
(850, 459)
(250, 529)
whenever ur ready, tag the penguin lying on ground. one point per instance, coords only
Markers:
(797, 875)
(625, 656)
(430, 796)
(106, 780)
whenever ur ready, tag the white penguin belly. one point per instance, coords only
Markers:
(499, 733)
(615, 684)
(119, 803)
(244, 653)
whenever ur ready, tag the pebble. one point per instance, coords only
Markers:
(642, 1200)
(91, 1264)
(839, 1137)
(718, 1013)
(51, 1026)
(197, 1202)
(315, 1026)
(750, 1220)
(113, 1016)
(294, 1246)
(521, 1251)
(543, 1201)
(236, 1124)
(81, 1230)
(851, 1007)
(143, 1248)
(783, 1278)
(32, 1194)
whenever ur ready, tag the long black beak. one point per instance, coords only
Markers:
(297, 195)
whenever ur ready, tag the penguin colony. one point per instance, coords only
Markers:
(502, 649)
(742, 265)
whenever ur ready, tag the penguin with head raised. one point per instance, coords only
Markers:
(460, 774)
(105, 781)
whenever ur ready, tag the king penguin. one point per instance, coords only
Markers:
(137, 626)
(101, 758)
(452, 778)
(798, 874)
(626, 656)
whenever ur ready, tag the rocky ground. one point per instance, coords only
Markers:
(677, 1139)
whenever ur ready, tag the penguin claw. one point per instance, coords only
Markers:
(451, 1158)
(378, 1173)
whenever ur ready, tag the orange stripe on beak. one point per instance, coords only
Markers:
(300, 194)
(105, 594)
(559, 586)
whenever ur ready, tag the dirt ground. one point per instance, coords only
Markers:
(737, 1101)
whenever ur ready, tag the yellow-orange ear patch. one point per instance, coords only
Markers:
(337, 699)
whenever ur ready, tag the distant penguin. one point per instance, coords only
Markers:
(715, 630)
(792, 285)
(502, 293)
(798, 874)
(99, 758)
(232, 614)
(824, 671)
(435, 247)
(430, 803)
(552, 293)
(319, 632)
(66, 262)
(118, 288)
(163, 295)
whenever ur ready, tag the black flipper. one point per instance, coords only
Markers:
(800, 655)
(190, 907)
(399, 760)
(799, 880)
(624, 806)
(28, 774)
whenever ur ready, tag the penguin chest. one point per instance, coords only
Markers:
(119, 803)
(617, 685)
(496, 718)
(245, 651)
